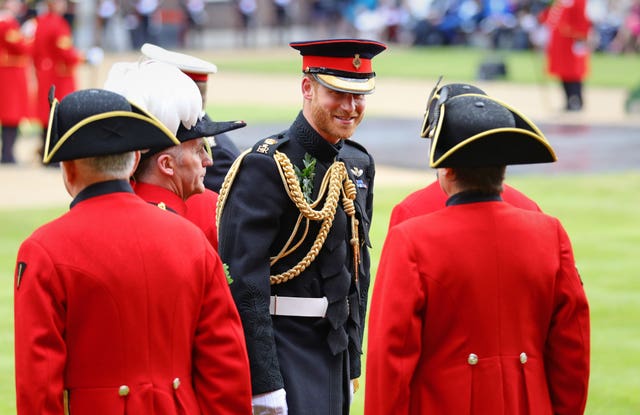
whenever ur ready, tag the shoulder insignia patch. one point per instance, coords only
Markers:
(20, 269)
(270, 145)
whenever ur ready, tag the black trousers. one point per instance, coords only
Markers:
(9, 135)
(573, 94)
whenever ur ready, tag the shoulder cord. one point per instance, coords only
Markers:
(336, 180)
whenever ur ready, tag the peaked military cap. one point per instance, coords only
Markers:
(341, 64)
(198, 70)
(97, 122)
(470, 129)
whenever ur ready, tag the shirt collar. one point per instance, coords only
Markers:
(313, 142)
(101, 188)
(472, 196)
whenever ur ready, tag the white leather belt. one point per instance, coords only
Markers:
(298, 306)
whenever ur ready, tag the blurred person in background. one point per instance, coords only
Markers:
(15, 53)
(54, 57)
(567, 49)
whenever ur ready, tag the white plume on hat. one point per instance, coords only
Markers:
(159, 88)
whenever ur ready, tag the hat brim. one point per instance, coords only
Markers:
(206, 127)
(107, 133)
(348, 85)
(499, 147)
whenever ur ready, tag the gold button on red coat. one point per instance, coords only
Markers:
(472, 359)
(123, 390)
(176, 383)
(523, 358)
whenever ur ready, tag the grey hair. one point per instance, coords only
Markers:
(115, 166)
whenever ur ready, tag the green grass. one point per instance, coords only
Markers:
(455, 63)
(600, 215)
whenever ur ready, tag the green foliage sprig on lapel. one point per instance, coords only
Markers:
(306, 176)
(227, 273)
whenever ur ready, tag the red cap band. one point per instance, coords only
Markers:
(351, 64)
(197, 77)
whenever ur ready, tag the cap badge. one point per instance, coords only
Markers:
(356, 61)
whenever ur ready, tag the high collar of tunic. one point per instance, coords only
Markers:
(101, 188)
(313, 142)
(161, 196)
(472, 196)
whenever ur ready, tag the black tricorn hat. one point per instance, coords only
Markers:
(97, 122)
(341, 64)
(474, 130)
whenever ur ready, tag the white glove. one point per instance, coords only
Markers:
(351, 392)
(270, 403)
(354, 385)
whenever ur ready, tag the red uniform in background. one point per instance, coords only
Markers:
(432, 198)
(567, 49)
(201, 210)
(55, 60)
(14, 61)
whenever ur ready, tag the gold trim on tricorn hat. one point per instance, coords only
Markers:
(96, 122)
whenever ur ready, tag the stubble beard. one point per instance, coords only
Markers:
(327, 125)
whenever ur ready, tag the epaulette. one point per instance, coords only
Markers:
(270, 144)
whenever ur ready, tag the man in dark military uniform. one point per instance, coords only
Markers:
(294, 215)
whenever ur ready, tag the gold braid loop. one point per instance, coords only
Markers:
(349, 192)
(338, 182)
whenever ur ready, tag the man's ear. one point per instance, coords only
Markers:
(448, 172)
(70, 176)
(307, 88)
(135, 163)
(166, 164)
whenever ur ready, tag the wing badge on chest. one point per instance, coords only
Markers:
(357, 173)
